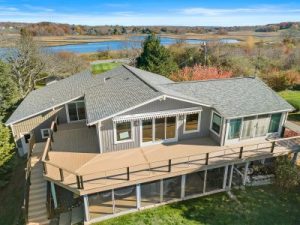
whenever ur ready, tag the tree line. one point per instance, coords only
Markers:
(57, 29)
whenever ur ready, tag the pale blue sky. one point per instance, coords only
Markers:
(151, 12)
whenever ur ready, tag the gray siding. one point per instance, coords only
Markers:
(62, 115)
(107, 135)
(168, 104)
(204, 125)
(34, 124)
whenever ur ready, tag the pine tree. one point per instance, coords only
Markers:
(156, 58)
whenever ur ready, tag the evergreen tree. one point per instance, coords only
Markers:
(9, 94)
(156, 58)
(6, 154)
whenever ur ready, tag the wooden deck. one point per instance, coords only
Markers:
(85, 173)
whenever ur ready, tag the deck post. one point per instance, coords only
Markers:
(241, 152)
(183, 179)
(138, 196)
(206, 159)
(204, 183)
(86, 208)
(128, 174)
(53, 193)
(113, 200)
(61, 173)
(245, 173)
(161, 193)
(273, 146)
(170, 165)
(230, 178)
(225, 177)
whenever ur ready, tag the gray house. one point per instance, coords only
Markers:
(129, 139)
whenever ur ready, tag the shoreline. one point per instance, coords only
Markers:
(51, 41)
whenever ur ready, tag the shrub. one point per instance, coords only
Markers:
(199, 72)
(287, 175)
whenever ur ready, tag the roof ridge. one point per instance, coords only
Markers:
(216, 79)
(140, 78)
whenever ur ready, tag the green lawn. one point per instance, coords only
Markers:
(293, 97)
(257, 206)
(103, 67)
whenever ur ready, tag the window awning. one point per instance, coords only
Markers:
(160, 114)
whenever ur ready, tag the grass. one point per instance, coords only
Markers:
(103, 67)
(11, 196)
(255, 206)
(293, 97)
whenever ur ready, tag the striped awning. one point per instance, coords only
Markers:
(160, 114)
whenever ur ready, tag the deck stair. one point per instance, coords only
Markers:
(37, 211)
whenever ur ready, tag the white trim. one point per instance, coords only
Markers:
(51, 108)
(210, 125)
(144, 103)
(127, 140)
(100, 137)
(198, 124)
(43, 135)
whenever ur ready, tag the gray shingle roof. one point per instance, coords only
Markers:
(234, 97)
(52, 95)
(125, 87)
(117, 94)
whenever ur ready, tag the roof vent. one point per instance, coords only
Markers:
(105, 79)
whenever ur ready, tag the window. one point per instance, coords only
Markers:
(216, 123)
(234, 128)
(191, 123)
(45, 133)
(147, 130)
(274, 123)
(123, 131)
(76, 111)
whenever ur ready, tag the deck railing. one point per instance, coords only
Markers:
(166, 166)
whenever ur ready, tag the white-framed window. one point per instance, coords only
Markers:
(123, 132)
(76, 111)
(191, 123)
(216, 123)
(45, 133)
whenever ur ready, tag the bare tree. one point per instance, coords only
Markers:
(27, 63)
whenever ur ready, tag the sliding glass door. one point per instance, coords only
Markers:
(234, 129)
(159, 129)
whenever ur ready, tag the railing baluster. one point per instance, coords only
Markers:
(81, 182)
(273, 146)
(241, 152)
(206, 159)
(170, 165)
(128, 174)
(78, 181)
(61, 173)
(45, 168)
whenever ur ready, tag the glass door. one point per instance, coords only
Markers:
(159, 130)
(234, 129)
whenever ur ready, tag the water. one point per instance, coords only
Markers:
(133, 42)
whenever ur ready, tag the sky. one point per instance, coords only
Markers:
(151, 12)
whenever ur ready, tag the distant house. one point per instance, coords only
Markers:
(129, 139)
